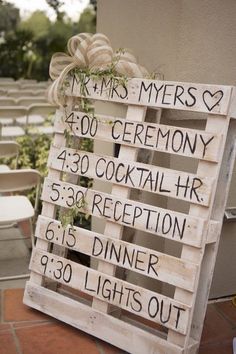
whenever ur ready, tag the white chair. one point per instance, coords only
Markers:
(26, 81)
(9, 149)
(6, 79)
(23, 93)
(17, 209)
(7, 101)
(46, 111)
(35, 86)
(3, 92)
(10, 85)
(32, 119)
(14, 182)
(28, 100)
(11, 112)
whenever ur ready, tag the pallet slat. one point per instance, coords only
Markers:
(152, 93)
(219, 124)
(171, 183)
(159, 137)
(132, 298)
(142, 260)
(162, 222)
(96, 323)
(111, 228)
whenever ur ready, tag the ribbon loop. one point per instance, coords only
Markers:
(90, 51)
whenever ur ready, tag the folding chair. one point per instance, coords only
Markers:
(9, 149)
(46, 111)
(10, 85)
(11, 112)
(7, 101)
(36, 85)
(29, 100)
(3, 92)
(6, 79)
(16, 208)
(26, 81)
(22, 93)
(31, 119)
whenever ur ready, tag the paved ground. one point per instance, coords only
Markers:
(27, 331)
(14, 257)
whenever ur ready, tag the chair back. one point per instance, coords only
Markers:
(27, 101)
(35, 86)
(12, 111)
(19, 180)
(44, 109)
(10, 85)
(7, 101)
(6, 79)
(13, 181)
(24, 93)
(9, 148)
(26, 81)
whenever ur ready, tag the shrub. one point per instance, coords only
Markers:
(34, 152)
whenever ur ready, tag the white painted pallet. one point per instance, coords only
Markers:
(161, 324)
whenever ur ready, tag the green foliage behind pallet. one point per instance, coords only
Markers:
(27, 45)
(34, 152)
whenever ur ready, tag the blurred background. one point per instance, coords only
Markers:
(31, 31)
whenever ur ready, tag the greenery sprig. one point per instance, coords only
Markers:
(85, 105)
(68, 216)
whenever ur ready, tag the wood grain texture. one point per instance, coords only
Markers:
(197, 231)
(153, 93)
(142, 260)
(162, 222)
(117, 332)
(140, 301)
(163, 181)
(158, 137)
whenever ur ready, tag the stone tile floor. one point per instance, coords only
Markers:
(27, 331)
(14, 257)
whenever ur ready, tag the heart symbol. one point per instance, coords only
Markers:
(209, 99)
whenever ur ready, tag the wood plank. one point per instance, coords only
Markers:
(210, 254)
(48, 209)
(140, 301)
(232, 112)
(115, 331)
(154, 93)
(214, 228)
(159, 137)
(166, 223)
(164, 181)
(193, 230)
(116, 230)
(130, 256)
(218, 124)
(74, 141)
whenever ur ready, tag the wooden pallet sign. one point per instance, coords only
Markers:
(103, 303)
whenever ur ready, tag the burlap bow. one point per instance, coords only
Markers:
(93, 52)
